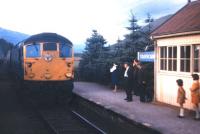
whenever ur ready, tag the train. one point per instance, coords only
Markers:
(43, 60)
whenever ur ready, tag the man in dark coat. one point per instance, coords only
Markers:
(135, 84)
(128, 79)
(141, 82)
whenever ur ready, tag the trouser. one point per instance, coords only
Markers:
(142, 92)
(128, 89)
(149, 93)
(136, 88)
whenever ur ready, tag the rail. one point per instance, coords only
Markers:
(89, 123)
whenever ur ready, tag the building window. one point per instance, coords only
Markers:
(163, 58)
(196, 67)
(185, 59)
(172, 58)
(168, 58)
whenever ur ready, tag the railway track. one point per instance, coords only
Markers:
(16, 118)
(63, 120)
(29, 117)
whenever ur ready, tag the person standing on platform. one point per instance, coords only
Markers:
(181, 97)
(128, 82)
(114, 76)
(141, 83)
(135, 77)
(195, 95)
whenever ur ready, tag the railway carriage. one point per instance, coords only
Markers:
(44, 60)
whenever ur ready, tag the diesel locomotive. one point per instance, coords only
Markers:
(44, 60)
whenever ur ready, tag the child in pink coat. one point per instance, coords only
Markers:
(181, 97)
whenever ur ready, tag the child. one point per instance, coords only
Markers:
(195, 94)
(181, 97)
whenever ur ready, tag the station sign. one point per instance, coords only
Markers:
(146, 56)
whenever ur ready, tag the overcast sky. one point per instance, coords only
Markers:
(75, 19)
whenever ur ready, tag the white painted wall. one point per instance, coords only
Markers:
(165, 81)
(167, 89)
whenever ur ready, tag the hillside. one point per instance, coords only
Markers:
(15, 37)
(1, 54)
(12, 36)
(156, 23)
(4, 47)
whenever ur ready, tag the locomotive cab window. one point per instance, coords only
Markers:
(49, 47)
(65, 50)
(33, 50)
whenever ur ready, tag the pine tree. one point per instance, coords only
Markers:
(133, 41)
(147, 33)
(148, 21)
(94, 45)
(133, 23)
(97, 59)
(91, 57)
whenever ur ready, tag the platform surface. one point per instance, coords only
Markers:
(155, 115)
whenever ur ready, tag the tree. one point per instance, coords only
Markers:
(94, 45)
(94, 51)
(148, 21)
(97, 59)
(133, 23)
(134, 41)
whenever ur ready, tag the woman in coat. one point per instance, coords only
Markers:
(114, 76)
(195, 94)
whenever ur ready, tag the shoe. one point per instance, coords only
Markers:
(114, 90)
(142, 101)
(180, 116)
(129, 100)
(197, 119)
(126, 99)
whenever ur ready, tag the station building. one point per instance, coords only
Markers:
(177, 53)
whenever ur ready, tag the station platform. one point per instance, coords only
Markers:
(158, 116)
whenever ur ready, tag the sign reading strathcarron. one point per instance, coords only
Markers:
(146, 56)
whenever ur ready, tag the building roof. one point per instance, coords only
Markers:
(186, 20)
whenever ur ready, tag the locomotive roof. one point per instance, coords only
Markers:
(47, 37)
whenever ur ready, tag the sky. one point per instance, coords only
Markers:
(75, 19)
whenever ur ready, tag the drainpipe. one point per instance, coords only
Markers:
(155, 69)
